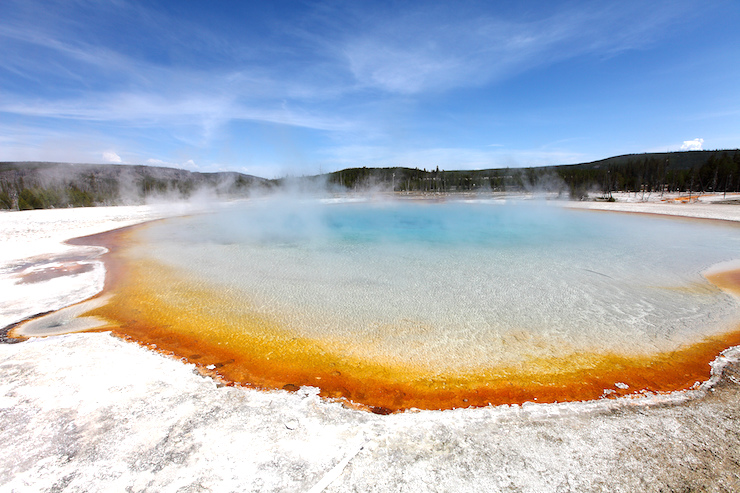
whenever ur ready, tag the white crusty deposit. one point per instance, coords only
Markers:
(32, 242)
(89, 412)
(705, 207)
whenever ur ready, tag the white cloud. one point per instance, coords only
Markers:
(112, 157)
(144, 108)
(692, 145)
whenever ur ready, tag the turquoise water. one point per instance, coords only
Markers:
(461, 283)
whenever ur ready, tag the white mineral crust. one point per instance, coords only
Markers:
(90, 412)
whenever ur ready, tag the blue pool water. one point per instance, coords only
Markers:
(459, 284)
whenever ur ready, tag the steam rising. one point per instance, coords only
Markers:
(54, 185)
(451, 285)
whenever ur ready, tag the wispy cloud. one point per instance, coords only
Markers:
(405, 52)
(354, 81)
(158, 109)
(96, 82)
(420, 51)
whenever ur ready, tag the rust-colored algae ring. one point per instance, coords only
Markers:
(264, 355)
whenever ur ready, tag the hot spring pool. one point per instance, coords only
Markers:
(406, 304)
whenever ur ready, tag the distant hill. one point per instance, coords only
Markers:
(37, 185)
(33, 185)
(678, 171)
(675, 160)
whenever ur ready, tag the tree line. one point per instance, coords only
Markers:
(693, 171)
(54, 185)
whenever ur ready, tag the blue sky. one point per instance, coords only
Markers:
(290, 88)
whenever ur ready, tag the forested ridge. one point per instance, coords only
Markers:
(691, 171)
(34, 185)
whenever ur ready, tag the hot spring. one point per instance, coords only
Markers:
(412, 304)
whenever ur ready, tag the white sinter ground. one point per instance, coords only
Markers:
(88, 412)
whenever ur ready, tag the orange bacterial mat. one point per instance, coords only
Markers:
(155, 307)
